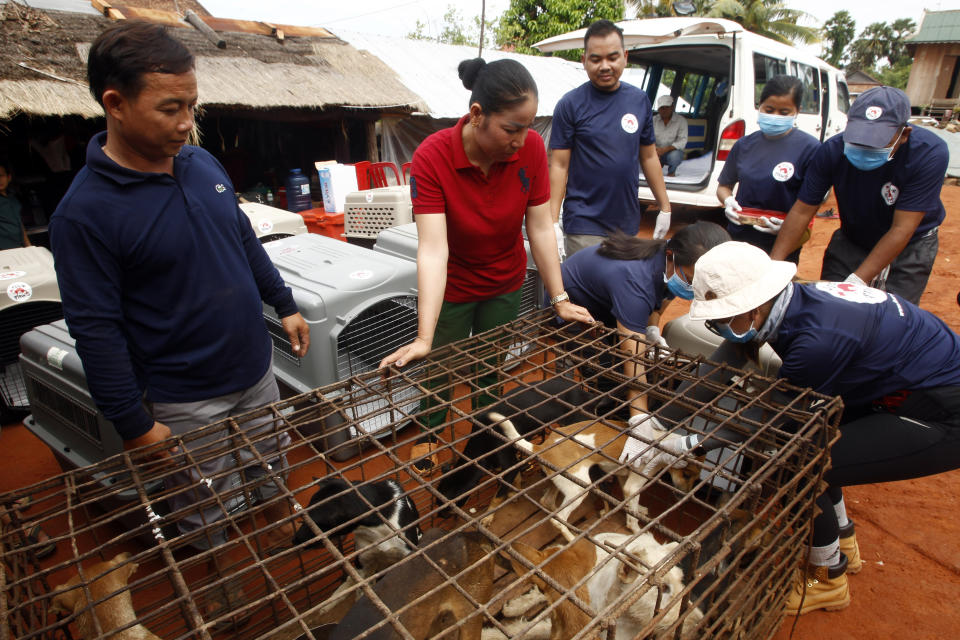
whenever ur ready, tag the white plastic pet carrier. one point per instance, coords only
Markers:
(361, 305)
(66, 419)
(30, 297)
(369, 212)
(270, 223)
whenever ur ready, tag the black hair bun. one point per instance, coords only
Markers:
(469, 70)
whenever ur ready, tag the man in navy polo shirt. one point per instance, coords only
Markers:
(602, 135)
(887, 178)
(162, 280)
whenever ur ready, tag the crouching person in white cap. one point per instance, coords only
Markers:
(896, 367)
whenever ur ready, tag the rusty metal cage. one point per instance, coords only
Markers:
(661, 553)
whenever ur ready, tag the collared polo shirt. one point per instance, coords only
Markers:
(484, 213)
(862, 343)
(866, 200)
(162, 279)
(614, 290)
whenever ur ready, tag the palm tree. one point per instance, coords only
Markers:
(770, 18)
(665, 8)
(873, 44)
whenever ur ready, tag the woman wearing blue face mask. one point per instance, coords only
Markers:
(626, 282)
(769, 166)
(895, 366)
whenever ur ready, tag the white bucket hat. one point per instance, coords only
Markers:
(735, 277)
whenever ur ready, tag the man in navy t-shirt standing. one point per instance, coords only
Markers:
(162, 280)
(887, 178)
(602, 135)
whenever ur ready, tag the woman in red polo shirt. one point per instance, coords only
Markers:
(472, 187)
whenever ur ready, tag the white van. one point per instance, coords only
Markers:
(694, 59)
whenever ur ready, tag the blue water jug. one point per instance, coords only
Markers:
(298, 191)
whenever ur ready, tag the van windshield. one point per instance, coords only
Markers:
(697, 77)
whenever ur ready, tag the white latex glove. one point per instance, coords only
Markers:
(654, 337)
(855, 279)
(639, 453)
(732, 209)
(662, 226)
(561, 247)
(770, 225)
(644, 428)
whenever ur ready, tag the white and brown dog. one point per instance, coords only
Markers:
(113, 613)
(578, 447)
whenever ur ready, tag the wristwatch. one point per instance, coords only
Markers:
(560, 297)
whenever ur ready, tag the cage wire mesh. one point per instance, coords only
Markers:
(371, 547)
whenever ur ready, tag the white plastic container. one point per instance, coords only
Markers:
(336, 181)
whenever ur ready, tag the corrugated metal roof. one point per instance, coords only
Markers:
(938, 26)
(76, 6)
(429, 69)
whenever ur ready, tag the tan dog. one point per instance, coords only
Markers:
(567, 567)
(576, 448)
(113, 613)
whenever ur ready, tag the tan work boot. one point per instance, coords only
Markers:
(850, 548)
(826, 588)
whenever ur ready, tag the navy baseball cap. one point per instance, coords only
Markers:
(875, 116)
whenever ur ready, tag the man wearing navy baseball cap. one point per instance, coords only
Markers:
(887, 178)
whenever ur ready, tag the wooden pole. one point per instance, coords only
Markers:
(205, 29)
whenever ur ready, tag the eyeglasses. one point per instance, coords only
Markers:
(714, 325)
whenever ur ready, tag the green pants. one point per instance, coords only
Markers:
(459, 320)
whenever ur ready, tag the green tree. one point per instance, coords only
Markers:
(770, 18)
(455, 30)
(872, 45)
(895, 75)
(898, 44)
(528, 21)
(838, 32)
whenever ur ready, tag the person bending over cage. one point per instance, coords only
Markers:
(473, 187)
(895, 366)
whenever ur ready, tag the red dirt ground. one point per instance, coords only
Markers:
(909, 532)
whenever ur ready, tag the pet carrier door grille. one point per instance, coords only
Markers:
(375, 333)
(675, 558)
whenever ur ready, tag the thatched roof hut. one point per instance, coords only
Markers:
(43, 68)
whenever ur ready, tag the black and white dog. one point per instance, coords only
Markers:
(529, 407)
(381, 516)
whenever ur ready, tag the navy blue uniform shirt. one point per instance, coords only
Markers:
(862, 343)
(866, 200)
(162, 279)
(604, 131)
(612, 290)
(769, 172)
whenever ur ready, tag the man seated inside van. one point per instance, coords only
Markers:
(670, 132)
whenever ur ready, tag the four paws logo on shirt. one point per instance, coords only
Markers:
(629, 123)
(220, 188)
(413, 187)
(889, 192)
(783, 171)
(853, 292)
(524, 180)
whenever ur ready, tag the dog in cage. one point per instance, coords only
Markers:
(530, 407)
(567, 565)
(115, 612)
(621, 561)
(578, 447)
(429, 592)
(381, 516)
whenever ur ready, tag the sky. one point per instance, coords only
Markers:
(399, 17)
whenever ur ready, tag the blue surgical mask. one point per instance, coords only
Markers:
(725, 332)
(677, 285)
(866, 158)
(869, 158)
(773, 125)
